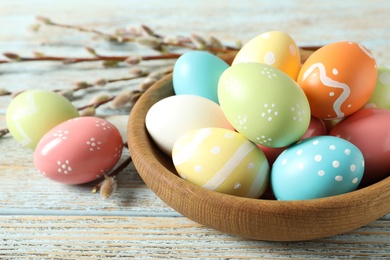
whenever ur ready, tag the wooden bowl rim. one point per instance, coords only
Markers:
(286, 220)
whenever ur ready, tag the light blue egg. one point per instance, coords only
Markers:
(197, 73)
(317, 167)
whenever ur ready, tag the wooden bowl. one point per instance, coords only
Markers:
(250, 218)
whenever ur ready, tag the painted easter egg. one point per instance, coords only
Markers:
(338, 79)
(197, 73)
(274, 48)
(31, 114)
(369, 130)
(264, 104)
(380, 98)
(316, 127)
(317, 167)
(173, 116)
(221, 160)
(79, 150)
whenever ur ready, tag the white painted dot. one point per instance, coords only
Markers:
(58, 162)
(292, 49)
(347, 151)
(237, 186)
(215, 150)
(263, 114)
(335, 71)
(335, 164)
(321, 173)
(269, 111)
(269, 119)
(338, 178)
(229, 135)
(315, 142)
(384, 78)
(266, 35)
(284, 162)
(355, 180)
(251, 165)
(332, 147)
(276, 113)
(318, 158)
(301, 166)
(269, 58)
(331, 94)
(273, 105)
(59, 170)
(265, 105)
(299, 152)
(63, 166)
(198, 168)
(352, 168)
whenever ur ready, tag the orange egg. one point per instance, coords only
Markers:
(338, 79)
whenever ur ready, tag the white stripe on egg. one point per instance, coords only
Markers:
(231, 164)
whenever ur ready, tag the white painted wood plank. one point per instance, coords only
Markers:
(177, 238)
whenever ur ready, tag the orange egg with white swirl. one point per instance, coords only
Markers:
(338, 79)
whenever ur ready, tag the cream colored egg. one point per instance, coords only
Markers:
(221, 160)
(173, 116)
(274, 48)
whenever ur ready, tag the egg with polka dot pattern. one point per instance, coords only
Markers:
(221, 160)
(317, 167)
(380, 98)
(264, 104)
(79, 150)
(338, 79)
(274, 48)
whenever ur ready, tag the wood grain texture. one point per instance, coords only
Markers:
(250, 218)
(40, 219)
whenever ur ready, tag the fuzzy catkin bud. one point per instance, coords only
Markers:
(81, 85)
(89, 111)
(101, 82)
(147, 83)
(133, 60)
(121, 100)
(4, 92)
(198, 41)
(100, 98)
(67, 93)
(149, 41)
(138, 72)
(215, 43)
(108, 187)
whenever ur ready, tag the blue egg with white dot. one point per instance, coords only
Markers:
(317, 167)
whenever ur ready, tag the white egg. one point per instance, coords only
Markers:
(173, 116)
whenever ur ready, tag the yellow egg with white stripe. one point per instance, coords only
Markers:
(221, 160)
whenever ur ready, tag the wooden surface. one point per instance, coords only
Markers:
(41, 219)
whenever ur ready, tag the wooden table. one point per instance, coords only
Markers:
(41, 219)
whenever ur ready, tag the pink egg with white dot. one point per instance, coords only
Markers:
(79, 150)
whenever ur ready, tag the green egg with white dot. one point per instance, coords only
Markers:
(221, 160)
(317, 167)
(264, 104)
(380, 98)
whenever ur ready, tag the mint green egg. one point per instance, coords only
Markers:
(380, 98)
(31, 114)
(264, 104)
